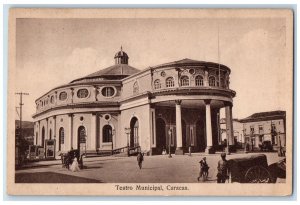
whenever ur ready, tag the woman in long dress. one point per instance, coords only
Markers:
(74, 166)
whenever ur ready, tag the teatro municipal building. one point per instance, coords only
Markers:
(121, 109)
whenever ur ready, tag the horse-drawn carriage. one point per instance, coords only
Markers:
(255, 169)
(67, 158)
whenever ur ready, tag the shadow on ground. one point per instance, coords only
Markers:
(51, 177)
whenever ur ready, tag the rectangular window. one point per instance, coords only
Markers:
(252, 129)
(261, 129)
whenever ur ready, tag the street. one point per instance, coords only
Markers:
(156, 169)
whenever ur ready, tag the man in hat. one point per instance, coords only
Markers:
(140, 159)
(203, 169)
(222, 169)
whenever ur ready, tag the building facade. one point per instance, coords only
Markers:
(265, 126)
(238, 133)
(174, 105)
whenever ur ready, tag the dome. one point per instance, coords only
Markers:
(121, 57)
(120, 70)
(121, 54)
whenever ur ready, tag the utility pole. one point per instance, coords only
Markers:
(20, 126)
(21, 104)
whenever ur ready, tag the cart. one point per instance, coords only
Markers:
(250, 169)
(67, 158)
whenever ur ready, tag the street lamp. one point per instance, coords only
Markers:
(170, 134)
(280, 148)
(245, 141)
(85, 136)
(127, 131)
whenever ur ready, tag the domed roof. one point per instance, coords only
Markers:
(120, 70)
(121, 53)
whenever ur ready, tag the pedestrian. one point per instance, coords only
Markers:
(164, 152)
(222, 169)
(74, 166)
(140, 159)
(203, 169)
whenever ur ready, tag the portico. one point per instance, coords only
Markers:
(193, 123)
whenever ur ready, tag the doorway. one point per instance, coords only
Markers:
(160, 135)
(134, 132)
(200, 135)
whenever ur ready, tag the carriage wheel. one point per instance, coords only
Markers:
(258, 174)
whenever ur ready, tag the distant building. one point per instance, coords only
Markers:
(265, 126)
(238, 134)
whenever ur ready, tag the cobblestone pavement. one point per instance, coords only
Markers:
(156, 169)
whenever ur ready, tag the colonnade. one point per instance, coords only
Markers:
(209, 137)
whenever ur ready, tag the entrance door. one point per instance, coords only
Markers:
(134, 134)
(81, 138)
(200, 135)
(160, 135)
(43, 137)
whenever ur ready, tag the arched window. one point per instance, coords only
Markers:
(82, 93)
(134, 132)
(199, 80)
(61, 138)
(184, 81)
(157, 84)
(170, 82)
(52, 99)
(212, 81)
(107, 133)
(36, 138)
(81, 137)
(81, 133)
(135, 88)
(222, 83)
(50, 134)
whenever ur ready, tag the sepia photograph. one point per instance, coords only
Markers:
(150, 102)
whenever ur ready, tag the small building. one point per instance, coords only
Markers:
(265, 126)
(238, 133)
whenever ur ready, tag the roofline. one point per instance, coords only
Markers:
(192, 64)
(177, 65)
(265, 118)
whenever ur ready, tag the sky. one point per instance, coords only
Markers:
(52, 52)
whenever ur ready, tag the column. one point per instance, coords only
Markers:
(70, 131)
(205, 80)
(55, 98)
(96, 92)
(47, 129)
(72, 94)
(218, 125)
(93, 137)
(152, 127)
(209, 140)
(54, 132)
(229, 126)
(179, 149)
(39, 135)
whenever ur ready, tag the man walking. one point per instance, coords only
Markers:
(140, 159)
(222, 169)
